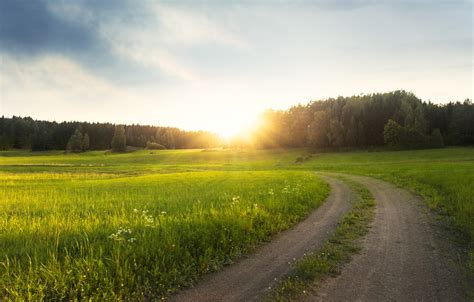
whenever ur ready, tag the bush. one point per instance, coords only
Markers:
(154, 146)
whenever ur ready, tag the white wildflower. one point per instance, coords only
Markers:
(235, 200)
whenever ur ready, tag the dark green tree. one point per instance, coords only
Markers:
(393, 134)
(318, 130)
(436, 139)
(351, 134)
(85, 142)
(75, 142)
(119, 142)
(336, 133)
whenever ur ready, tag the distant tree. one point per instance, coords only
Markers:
(75, 142)
(297, 120)
(85, 142)
(301, 125)
(419, 122)
(38, 141)
(318, 129)
(351, 134)
(461, 123)
(414, 139)
(26, 133)
(168, 138)
(361, 139)
(119, 142)
(40, 138)
(436, 139)
(130, 136)
(393, 134)
(336, 133)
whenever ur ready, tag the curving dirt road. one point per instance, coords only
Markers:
(250, 278)
(404, 258)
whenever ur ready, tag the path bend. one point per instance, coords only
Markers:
(406, 256)
(250, 278)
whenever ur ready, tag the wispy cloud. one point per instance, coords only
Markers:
(113, 39)
(185, 27)
(54, 78)
(223, 58)
(152, 42)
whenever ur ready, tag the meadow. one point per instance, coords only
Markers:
(444, 177)
(137, 226)
(144, 224)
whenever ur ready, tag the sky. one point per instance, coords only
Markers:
(215, 65)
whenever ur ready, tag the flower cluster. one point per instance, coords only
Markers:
(146, 217)
(123, 234)
(235, 200)
(288, 189)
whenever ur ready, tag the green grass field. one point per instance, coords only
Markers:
(444, 177)
(138, 225)
(143, 224)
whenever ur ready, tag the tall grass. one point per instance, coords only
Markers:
(141, 225)
(68, 235)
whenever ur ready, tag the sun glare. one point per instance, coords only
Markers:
(238, 125)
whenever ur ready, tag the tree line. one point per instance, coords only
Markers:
(27, 133)
(398, 119)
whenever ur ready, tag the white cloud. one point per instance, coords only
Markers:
(71, 11)
(180, 26)
(150, 42)
(142, 51)
(54, 87)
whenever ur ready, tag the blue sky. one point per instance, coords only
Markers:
(215, 65)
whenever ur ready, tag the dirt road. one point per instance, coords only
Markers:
(404, 258)
(250, 278)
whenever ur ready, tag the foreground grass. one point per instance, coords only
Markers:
(65, 219)
(336, 251)
(67, 236)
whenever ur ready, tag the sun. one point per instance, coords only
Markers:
(235, 125)
(231, 131)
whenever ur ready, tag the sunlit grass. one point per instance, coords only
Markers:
(65, 219)
(443, 177)
(73, 236)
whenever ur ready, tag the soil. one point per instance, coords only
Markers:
(406, 256)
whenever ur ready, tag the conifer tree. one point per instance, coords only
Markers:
(85, 142)
(119, 141)
(75, 142)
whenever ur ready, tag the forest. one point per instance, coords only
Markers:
(396, 119)
(27, 133)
